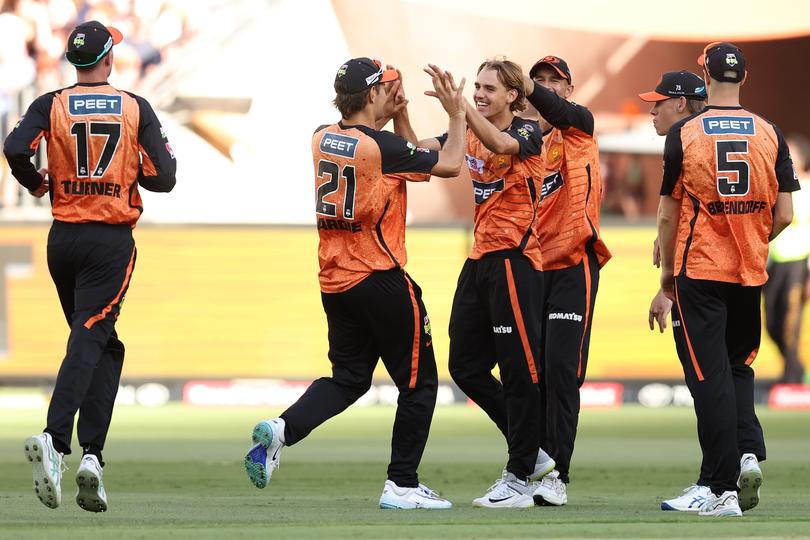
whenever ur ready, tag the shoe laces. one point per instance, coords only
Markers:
(690, 489)
(426, 491)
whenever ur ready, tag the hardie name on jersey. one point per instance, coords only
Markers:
(327, 224)
(98, 104)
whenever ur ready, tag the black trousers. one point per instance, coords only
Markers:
(91, 265)
(382, 316)
(717, 334)
(495, 320)
(784, 304)
(569, 296)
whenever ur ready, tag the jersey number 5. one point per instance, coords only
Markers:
(111, 130)
(725, 186)
(334, 172)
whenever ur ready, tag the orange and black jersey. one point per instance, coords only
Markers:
(506, 188)
(102, 144)
(568, 219)
(360, 200)
(726, 165)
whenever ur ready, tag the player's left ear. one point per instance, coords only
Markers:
(681, 104)
(745, 77)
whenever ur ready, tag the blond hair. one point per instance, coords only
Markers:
(510, 75)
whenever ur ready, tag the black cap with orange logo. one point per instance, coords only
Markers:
(724, 61)
(554, 62)
(359, 74)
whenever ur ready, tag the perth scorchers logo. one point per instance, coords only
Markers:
(555, 153)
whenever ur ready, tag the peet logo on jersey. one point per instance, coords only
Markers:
(339, 145)
(502, 329)
(551, 183)
(475, 164)
(484, 190)
(729, 125)
(84, 104)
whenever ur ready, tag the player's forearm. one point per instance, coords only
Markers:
(24, 171)
(451, 156)
(403, 128)
(782, 214)
(494, 139)
(667, 221)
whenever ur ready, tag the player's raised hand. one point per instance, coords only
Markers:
(400, 101)
(660, 307)
(445, 90)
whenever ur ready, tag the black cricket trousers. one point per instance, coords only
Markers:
(382, 316)
(569, 298)
(495, 320)
(717, 331)
(91, 265)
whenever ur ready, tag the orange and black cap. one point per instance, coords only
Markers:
(90, 42)
(554, 62)
(675, 84)
(724, 61)
(359, 74)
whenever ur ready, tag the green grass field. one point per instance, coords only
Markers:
(176, 472)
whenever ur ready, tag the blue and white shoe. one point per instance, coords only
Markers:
(408, 498)
(749, 482)
(691, 500)
(264, 457)
(47, 466)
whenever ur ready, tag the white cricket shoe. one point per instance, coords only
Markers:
(727, 504)
(507, 492)
(91, 495)
(691, 500)
(408, 498)
(47, 466)
(749, 482)
(544, 465)
(264, 457)
(551, 491)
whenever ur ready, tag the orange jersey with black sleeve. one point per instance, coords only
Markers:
(726, 165)
(506, 189)
(360, 200)
(571, 196)
(102, 144)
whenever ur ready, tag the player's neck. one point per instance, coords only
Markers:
(721, 95)
(502, 120)
(362, 118)
(90, 77)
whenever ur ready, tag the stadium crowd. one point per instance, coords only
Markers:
(32, 46)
